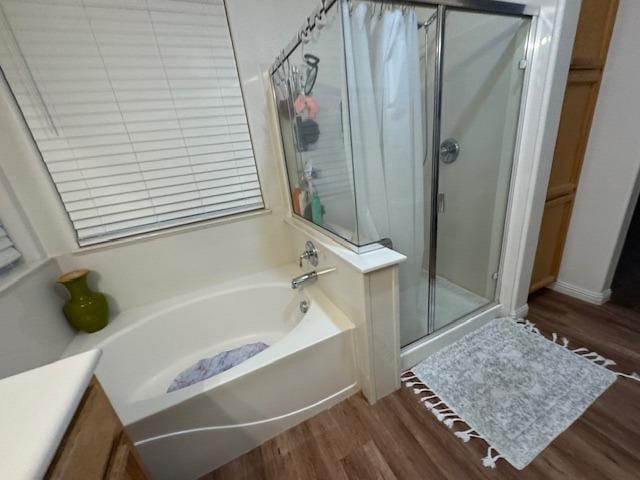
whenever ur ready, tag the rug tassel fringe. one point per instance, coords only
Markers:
(431, 406)
(490, 461)
(528, 325)
(450, 422)
(430, 397)
(418, 391)
(633, 376)
(585, 353)
(443, 417)
(466, 435)
(412, 384)
(448, 416)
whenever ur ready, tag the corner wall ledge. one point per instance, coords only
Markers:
(362, 262)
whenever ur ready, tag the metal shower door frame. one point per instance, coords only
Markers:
(479, 6)
(442, 6)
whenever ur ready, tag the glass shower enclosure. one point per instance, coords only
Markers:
(399, 125)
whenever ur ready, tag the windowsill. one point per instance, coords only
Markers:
(15, 276)
(168, 232)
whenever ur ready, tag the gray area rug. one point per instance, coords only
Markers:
(511, 387)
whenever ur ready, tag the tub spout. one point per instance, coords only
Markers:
(309, 277)
(300, 280)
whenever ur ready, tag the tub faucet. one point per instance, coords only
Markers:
(309, 277)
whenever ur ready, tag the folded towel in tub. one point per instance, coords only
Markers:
(209, 367)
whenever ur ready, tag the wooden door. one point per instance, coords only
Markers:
(587, 62)
(573, 133)
(593, 34)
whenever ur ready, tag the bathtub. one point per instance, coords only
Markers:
(308, 367)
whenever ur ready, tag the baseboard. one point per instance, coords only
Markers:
(521, 312)
(596, 298)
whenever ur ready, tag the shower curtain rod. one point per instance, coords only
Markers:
(303, 34)
(490, 6)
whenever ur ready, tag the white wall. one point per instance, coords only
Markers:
(14, 220)
(139, 272)
(26, 174)
(33, 330)
(607, 191)
(147, 271)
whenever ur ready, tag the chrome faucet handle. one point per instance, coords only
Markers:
(310, 253)
(309, 277)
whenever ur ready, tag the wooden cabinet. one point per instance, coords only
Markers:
(575, 123)
(125, 463)
(557, 213)
(594, 31)
(96, 446)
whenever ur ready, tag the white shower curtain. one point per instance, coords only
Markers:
(387, 135)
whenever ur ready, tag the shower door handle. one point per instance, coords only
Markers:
(441, 203)
(449, 150)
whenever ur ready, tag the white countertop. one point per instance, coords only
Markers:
(36, 408)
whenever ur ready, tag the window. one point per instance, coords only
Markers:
(136, 108)
(9, 254)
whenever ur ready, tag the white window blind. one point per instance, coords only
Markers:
(136, 108)
(9, 254)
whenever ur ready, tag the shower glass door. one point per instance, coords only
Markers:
(483, 60)
(414, 273)
(399, 125)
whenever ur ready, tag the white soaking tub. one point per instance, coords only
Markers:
(308, 367)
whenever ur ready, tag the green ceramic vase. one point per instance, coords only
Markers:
(86, 310)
